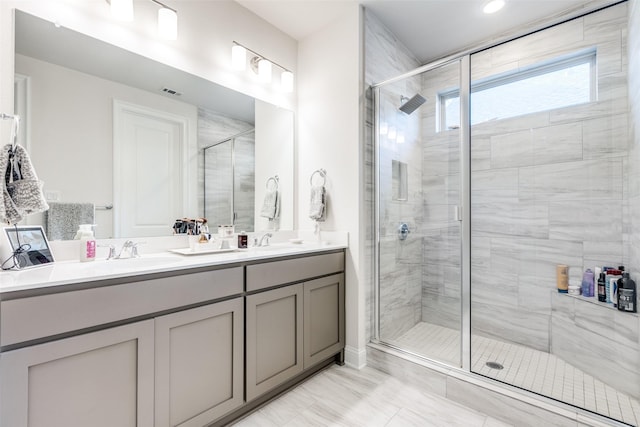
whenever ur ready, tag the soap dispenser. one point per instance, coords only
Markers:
(87, 242)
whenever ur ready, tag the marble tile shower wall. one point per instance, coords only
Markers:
(549, 188)
(214, 127)
(400, 269)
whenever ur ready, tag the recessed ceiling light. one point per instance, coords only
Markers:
(493, 6)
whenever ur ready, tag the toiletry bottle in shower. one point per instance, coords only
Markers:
(587, 283)
(562, 278)
(602, 288)
(627, 294)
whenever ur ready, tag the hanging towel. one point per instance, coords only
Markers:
(63, 219)
(271, 205)
(317, 206)
(22, 191)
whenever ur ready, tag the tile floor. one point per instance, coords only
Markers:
(345, 397)
(524, 367)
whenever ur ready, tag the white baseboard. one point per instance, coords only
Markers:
(354, 357)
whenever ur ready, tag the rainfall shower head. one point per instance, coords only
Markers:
(411, 105)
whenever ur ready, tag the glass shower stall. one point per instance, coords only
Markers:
(492, 170)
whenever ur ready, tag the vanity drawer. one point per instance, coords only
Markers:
(261, 276)
(30, 318)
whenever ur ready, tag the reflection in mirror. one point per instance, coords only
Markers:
(229, 182)
(76, 88)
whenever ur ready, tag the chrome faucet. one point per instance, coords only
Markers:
(264, 240)
(129, 250)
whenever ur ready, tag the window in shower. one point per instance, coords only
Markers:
(560, 82)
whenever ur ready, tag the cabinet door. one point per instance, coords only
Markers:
(323, 318)
(99, 379)
(199, 364)
(274, 338)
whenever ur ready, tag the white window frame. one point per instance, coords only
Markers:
(559, 63)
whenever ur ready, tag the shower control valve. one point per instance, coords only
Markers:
(403, 231)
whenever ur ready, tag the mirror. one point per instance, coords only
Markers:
(126, 133)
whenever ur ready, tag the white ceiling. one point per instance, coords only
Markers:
(431, 29)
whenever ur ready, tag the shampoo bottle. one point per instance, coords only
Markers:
(87, 242)
(627, 294)
(602, 288)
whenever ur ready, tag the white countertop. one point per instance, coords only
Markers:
(71, 272)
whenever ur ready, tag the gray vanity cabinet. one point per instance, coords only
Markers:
(99, 379)
(323, 318)
(199, 358)
(274, 338)
(295, 318)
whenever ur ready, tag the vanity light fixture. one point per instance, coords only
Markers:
(493, 6)
(264, 70)
(260, 65)
(167, 22)
(286, 81)
(238, 57)
(122, 10)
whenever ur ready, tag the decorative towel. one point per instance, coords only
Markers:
(317, 206)
(62, 219)
(271, 205)
(21, 189)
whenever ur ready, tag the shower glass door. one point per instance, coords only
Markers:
(552, 173)
(419, 243)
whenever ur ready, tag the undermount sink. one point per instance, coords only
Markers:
(141, 262)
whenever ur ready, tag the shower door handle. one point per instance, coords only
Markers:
(458, 213)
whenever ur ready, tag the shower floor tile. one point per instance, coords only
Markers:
(523, 367)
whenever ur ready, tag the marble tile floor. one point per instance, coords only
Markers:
(523, 367)
(345, 397)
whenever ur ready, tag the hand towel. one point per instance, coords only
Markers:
(62, 219)
(317, 205)
(22, 191)
(271, 205)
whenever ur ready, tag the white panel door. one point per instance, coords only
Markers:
(149, 177)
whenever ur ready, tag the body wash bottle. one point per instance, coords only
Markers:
(87, 242)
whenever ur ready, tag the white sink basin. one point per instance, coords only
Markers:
(141, 262)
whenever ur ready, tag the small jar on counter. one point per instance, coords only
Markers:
(243, 240)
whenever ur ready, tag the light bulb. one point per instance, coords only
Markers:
(264, 71)
(122, 10)
(384, 128)
(392, 133)
(400, 137)
(167, 24)
(286, 81)
(238, 57)
(493, 6)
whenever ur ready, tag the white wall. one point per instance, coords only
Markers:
(330, 137)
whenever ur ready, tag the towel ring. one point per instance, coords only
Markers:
(275, 181)
(322, 173)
